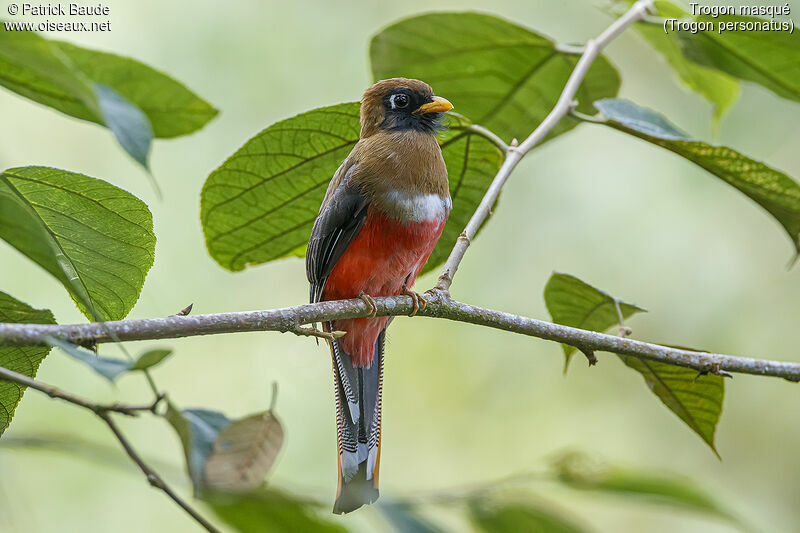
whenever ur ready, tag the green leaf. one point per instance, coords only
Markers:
(150, 359)
(717, 87)
(197, 429)
(404, 519)
(21, 359)
(96, 239)
(697, 400)
(243, 454)
(572, 302)
(515, 517)
(776, 192)
(769, 58)
(128, 123)
(32, 66)
(500, 75)
(579, 472)
(59, 75)
(133, 100)
(270, 511)
(260, 205)
(172, 109)
(110, 369)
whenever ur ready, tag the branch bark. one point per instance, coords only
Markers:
(439, 305)
(514, 154)
(103, 411)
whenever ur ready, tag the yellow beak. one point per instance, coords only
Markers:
(438, 105)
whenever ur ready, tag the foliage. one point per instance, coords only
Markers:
(697, 400)
(111, 369)
(260, 205)
(583, 473)
(500, 75)
(135, 101)
(773, 190)
(96, 239)
(512, 517)
(572, 302)
(24, 360)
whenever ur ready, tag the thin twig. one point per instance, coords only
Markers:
(54, 392)
(317, 333)
(514, 155)
(490, 135)
(103, 411)
(439, 305)
(152, 476)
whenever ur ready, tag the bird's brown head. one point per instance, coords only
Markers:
(401, 104)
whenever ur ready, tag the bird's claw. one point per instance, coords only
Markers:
(370, 301)
(417, 301)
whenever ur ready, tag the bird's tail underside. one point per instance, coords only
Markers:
(358, 423)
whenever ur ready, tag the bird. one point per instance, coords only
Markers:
(382, 215)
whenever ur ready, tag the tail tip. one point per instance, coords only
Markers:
(354, 496)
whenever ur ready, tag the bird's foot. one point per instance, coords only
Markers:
(370, 301)
(417, 300)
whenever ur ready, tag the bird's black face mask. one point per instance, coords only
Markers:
(404, 111)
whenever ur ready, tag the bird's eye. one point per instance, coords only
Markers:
(399, 101)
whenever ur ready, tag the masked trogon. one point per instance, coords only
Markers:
(383, 212)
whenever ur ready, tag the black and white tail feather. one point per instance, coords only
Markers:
(358, 390)
(358, 424)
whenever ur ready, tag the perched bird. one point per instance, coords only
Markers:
(384, 211)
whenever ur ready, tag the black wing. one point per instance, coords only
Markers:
(340, 219)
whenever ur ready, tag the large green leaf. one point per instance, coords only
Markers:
(24, 360)
(260, 205)
(769, 58)
(270, 511)
(96, 239)
(173, 109)
(515, 517)
(715, 86)
(133, 100)
(773, 190)
(575, 303)
(697, 400)
(500, 75)
(580, 472)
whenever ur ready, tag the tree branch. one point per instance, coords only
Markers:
(514, 154)
(54, 392)
(439, 305)
(104, 412)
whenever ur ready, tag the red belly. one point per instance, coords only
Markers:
(382, 257)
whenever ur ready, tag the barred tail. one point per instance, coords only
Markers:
(358, 423)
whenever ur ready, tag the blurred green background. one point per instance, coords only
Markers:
(463, 404)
